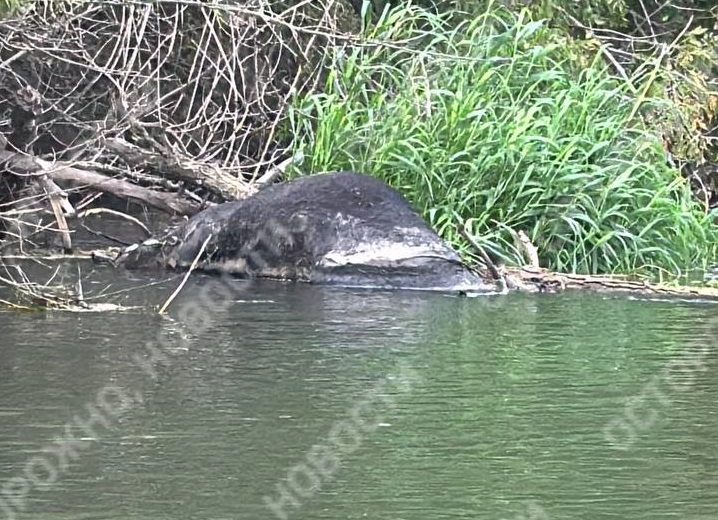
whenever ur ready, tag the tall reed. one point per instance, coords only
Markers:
(492, 123)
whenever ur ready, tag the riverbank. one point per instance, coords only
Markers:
(494, 126)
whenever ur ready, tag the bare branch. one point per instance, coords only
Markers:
(64, 172)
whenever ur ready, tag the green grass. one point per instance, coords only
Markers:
(8, 6)
(494, 124)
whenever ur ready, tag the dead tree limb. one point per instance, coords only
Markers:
(64, 172)
(60, 206)
(532, 279)
(184, 169)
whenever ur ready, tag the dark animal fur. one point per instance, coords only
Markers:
(343, 227)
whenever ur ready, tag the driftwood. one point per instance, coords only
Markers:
(523, 243)
(60, 206)
(532, 278)
(541, 280)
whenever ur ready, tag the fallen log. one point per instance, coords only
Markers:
(541, 280)
(533, 278)
(24, 164)
(214, 179)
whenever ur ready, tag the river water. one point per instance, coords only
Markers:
(262, 400)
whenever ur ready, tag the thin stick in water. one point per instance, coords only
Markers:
(186, 276)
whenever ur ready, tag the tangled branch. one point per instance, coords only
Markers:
(143, 94)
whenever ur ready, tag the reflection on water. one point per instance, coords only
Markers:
(323, 403)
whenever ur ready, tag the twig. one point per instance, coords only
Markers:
(278, 171)
(654, 73)
(186, 276)
(95, 211)
(489, 264)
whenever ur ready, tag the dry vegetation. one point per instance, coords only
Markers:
(179, 103)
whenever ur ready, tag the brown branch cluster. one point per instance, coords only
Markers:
(197, 79)
(184, 93)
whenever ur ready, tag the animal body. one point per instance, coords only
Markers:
(341, 228)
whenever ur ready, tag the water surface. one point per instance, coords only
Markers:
(418, 406)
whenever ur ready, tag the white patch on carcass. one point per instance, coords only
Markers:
(382, 253)
(233, 266)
